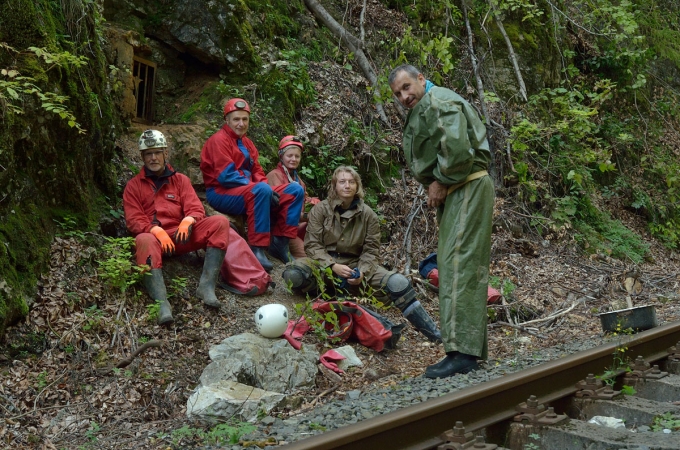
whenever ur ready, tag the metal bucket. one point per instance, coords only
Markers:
(639, 318)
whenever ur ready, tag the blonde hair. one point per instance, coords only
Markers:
(332, 195)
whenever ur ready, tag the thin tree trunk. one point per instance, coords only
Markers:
(480, 92)
(355, 46)
(511, 51)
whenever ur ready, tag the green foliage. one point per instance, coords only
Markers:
(620, 361)
(628, 390)
(598, 232)
(69, 227)
(533, 445)
(13, 86)
(316, 426)
(153, 311)
(428, 50)
(224, 433)
(318, 165)
(177, 286)
(296, 81)
(93, 318)
(42, 380)
(505, 286)
(666, 421)
(525, 8)
(117, 269)
(91, 433)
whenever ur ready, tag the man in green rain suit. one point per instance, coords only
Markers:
(446, 149)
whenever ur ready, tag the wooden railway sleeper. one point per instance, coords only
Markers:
(595, 389)
(533, 412)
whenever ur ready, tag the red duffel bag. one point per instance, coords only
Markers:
(241, 272)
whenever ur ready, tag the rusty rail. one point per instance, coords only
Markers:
(417, 427)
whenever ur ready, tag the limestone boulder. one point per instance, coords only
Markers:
(269, 364)
(224, 399)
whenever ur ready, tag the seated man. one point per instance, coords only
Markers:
(160, 203)
(343, 233)
(236, 184)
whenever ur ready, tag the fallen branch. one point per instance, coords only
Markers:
(518, 327)
(551, 317)
(127, 361)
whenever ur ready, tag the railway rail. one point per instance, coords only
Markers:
(491, 406)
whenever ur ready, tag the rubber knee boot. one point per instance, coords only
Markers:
(421, 320)
(278, 248)
(262, 258)
(155, 287)
(453, 363)
(211, 269)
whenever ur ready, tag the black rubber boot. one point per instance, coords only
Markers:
(211, 269)
(278, 248)
(453, 363)
(155, 287)
(421, 320)
(262, 258)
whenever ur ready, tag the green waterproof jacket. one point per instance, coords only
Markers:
(353, 233)
(444, 139)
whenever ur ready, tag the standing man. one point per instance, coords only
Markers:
(236, 184)
(160, 203)
(446, 149)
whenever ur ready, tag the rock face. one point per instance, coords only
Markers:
(270, 364)
(250, 373)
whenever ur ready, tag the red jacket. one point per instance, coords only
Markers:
(225, 165)
(277, 177)
(146, 208)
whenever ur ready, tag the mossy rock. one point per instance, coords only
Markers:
(48, 168)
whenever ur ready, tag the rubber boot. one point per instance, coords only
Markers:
(453, 363)
(155, 287)
(421, 320)
(262, 258)
(278, 248)
(211, 269)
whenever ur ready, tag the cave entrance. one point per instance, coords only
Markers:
(144, 75)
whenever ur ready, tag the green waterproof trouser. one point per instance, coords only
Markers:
(463, 255)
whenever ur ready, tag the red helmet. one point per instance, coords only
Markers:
(236, 104)
(290, 140)
(343, 330)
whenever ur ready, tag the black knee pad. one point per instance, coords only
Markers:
(299, 278)
(400, 290)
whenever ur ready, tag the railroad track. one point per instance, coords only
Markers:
(490, 408)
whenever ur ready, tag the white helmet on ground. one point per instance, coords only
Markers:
(271, 320)
(152, 139)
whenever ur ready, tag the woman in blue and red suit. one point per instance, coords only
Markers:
(290, 155)
(236, 184)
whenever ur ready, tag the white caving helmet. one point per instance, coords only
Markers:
(152, 139)
(271, 320)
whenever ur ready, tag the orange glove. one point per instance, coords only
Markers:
(166, 243)
(184, 231)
